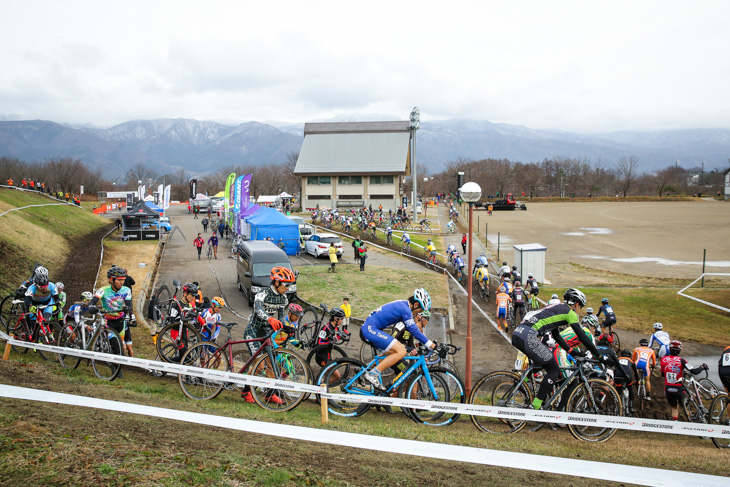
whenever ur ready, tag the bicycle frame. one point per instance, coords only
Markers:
(39, 324)
(419, 364)
(267, 346)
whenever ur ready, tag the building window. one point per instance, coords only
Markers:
(318, 197)
(381, 196)
(350, 196)
(318, 180)
(381, 179)
(349, 180)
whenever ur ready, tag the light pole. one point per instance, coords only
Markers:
(415, 123)
(470, 193)
(425, 198)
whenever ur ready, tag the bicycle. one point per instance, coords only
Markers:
(91, 333)
(509, 389)
(418, 381)
(406, 248)
(704, 389)
(641, 392)
(483, 290)
(720, 414)
(511, 318)
(268, 361)
(459, 274)
(179, 333)
(532, 303)
(389, 239)
(431, 262)
(40, 331)
(209, 252)
(616, 343)
(11, 307)
(309, 329)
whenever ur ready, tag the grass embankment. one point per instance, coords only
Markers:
(637, 309)
(370, 289)
(43, 234)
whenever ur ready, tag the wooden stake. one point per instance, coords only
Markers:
(6, 354)
(325, 410)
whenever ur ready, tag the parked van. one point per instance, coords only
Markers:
(304, 229)
(255, 260)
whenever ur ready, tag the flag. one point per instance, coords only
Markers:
(228, 195)
(237, 194)
(160, 190)
(141, 191)
(166, 199)
(245, 186)
(193, 188)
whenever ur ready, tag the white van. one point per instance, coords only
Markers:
(304, 229)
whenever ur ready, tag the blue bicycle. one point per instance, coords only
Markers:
(418, 381)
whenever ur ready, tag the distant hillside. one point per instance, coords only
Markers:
(201, 147)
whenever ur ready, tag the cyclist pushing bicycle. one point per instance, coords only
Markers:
(528, 338)
(116, 305)
(408, 311)
(673, 367)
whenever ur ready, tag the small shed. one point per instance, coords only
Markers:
(133, 223)
(530, 258)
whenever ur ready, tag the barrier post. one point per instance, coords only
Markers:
(6, 353)
(704, 260)
(325, 410)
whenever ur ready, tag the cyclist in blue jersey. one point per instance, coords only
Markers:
(406, 311)
(41, 293)
(77, 309)
(459, 264)
(505, 286)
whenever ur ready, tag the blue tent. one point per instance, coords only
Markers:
(153, 207)
(269, 223)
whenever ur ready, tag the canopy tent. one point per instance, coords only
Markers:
(269, 223)
(149, 197)
(268, 200)
(285, 195)
(153, 207)
(132, 222)
(201, 197)
(219, 195)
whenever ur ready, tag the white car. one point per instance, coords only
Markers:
(419, 207)
(319, 244)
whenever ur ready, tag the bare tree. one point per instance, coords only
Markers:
(662, 178)
(627, 169)
(66, 173)
(140, 172)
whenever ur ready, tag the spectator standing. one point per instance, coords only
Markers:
(463, 243)
(118, 223)
(227, 228)
(198, 243)
(213, 241)
(332, 251)
(221, 228)
(348, 312)
(204, 222)
(356, 248)
(363, 252)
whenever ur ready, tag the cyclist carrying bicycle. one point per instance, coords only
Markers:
(609, 317)
(408, 311)
(269, 307)
(644, 358)
(116, 306)
(528, 338)
(661, 338)
(672, 367)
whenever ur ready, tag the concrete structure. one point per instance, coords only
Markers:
(530, 258)
(354, 164)
(727, 183)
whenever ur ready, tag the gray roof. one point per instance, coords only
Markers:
(355, 127)
(334, 150)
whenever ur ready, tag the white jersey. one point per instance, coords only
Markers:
(553, 301)
(505, 270)
(661, 338)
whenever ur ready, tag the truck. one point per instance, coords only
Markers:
(509, 203)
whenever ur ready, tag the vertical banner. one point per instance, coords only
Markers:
(141, 191)
(160, 192)
(81, 191)
(237, 194)
(228, 195)
(166, 199)
(193, 188)
(245, 186)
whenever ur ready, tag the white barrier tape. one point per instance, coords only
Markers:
(628, 423)
(421, 449)
(707, 303)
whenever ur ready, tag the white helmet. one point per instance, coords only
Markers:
(589, 311)
(86, 296)
(422, 298)
(59, 286)
(554, 296)
(41, 271)
(658, 326)
(529, 274)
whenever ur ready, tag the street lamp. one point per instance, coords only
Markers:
(414, 125)
(470, 193)
(425, 198)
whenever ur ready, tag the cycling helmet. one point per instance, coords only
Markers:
(425, 314)
(605, 339)
(589, 311)
(518, 284)
(40, 270)
(115, 272)
(514, 267)
(604, 301)
(429, 240)
(218, 302)
(644, 342)
(658, 326)
(295, 309)
(190, 288)
(86, 296)
(337, 313)
(59, 286)
(504, 263)
(505, 278)
(554, 296)
(40, 279)
(422, 297)
(529, 274)
(479, 264)
(624, 353)
(282, 274)
(675, 345)
(573, 296)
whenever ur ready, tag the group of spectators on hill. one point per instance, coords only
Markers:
(42, 187)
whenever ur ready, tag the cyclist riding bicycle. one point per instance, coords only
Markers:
(528, 336)
(672, 367)
(591, 322)
(407, 311)
(116, 306)
(406, 240)
(482, 276)
(644, 358)
(450, 252)
(531, 285)
(518, 302)
(553, 300)
(661, 338)
(723, 369)
(609, 317)
(451, 227)
(41, 293)
(504, 271)
(431, 249)
(459, 264)
(516, 276)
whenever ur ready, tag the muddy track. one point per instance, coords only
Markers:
(82, 265)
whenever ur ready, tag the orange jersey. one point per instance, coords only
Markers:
(503, 300)
(644, 353)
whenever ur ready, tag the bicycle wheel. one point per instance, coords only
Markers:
(205, 356)
(107, 341)
(447, 387)
(641, 394)
(288, 366)
(162, 304)
(70, 337)
(9, 312)
(708, 390)
(305, 333)
(499, 389)
(616, 345)
(720, 414)
(337, 352)
(209, 253)
(19, 331)
(596, 397)
(368, 353)
(344, 376)
(174, 340)
(47, 338)
(692, 410)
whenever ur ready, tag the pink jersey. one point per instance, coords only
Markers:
(673, 370)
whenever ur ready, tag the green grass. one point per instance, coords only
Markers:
(638, 309)
(367, 290)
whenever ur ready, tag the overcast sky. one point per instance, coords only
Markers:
(569, 65)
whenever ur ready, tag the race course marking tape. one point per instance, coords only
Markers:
(481, 456)
(628, 423)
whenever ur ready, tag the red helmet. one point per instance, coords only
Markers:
(282, 274)
(604, 338)
(295, 309)
(676, 344)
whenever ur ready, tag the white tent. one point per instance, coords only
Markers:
(285, 195)
(201, 197)
(267, 200)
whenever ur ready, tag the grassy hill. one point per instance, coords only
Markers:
(45, 234)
